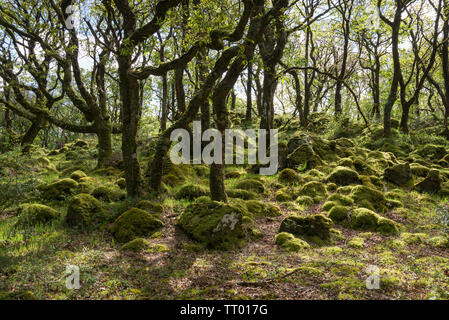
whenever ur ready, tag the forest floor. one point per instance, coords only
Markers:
(412, 264)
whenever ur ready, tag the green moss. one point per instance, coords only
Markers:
(328, 205)
(305, 201)
(343, 176)
(121, 183)
(151, 207)
(242, 194)
(283, 195)
(282, 237)
(439, 241)
(191, 191)
(356, 242)
(338, 214)
(158, 248)
(288, 176)
(59, 189)
(262, 209)
(172, 180)
(33, 214)
(253, 185)
(399, 174)
(215, 224)
(85, 211)
(431, 184)
(345, 162)
(386, 226)
(414, 238)
(431, 152)
(136, 245)
(419, 170)
(295, 245)
(363, 219)
(108, 172)
(303, 155)
(363, 196)
(86, 185)
(135, 223)
(341, 199)
(331, 187)
(308, 227)
(77, 175)
(315, 190)
(108, 194)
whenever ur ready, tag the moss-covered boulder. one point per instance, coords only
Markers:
(59, 189)
(121, 183)
(135, 223)
(31, 214)
(303, 156)
(314, 228)
(77, 175)
(343, 176)
(191, 191)
(151, 207)
(365, 219)
(419, 170)
(305, 201)
(431, 152)
(315, 190)
(288, 176)
(431, 184)
(253, 185)
(290, 243)
(85, 211)
(242, 194)
(215, 224)
(365, 196)
(108, 194)
(399, 174)
(283, 195)
(338, 214)
(136, 245)
(262, 209)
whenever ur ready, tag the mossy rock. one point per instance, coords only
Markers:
(331, 187)
(399, 174)
(191, 191)
(288, 176)
(365, 219)
(290, 243)
(136, 245)
(121, 183)
(215, 224)
(108, 194)
(365, 196)
(309, 227)
(108, 172)
(242, 194)
(344, 176)
(77, 175)
(363, 168)
(233, 174)
(172, 180)
(345, 162)
(341, 199)
(32, 214)
(59, 189)
(338, 214)
(262, 209)
(315, 190)
(328, 205)
(86, 185)
(305, 201)
(419, 170)
(151, 207)
(303, 156)
(431, 184)
(283, 195)
(85, 211)
(135, 223)
(253, 185)
(431, 152)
